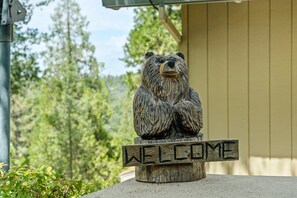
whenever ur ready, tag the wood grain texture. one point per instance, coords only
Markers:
(164, 105)
(170, 173)
(179, 152)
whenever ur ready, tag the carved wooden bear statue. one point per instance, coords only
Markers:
(165, 106)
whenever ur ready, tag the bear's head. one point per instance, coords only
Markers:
(166, 75)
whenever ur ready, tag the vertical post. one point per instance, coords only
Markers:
(5, 40)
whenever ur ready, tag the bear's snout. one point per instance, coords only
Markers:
(171, 64)
(168, 69)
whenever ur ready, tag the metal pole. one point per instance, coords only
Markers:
(5, 40)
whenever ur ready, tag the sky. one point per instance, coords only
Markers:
(109, 31)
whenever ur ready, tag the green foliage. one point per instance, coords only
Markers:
(149, 34)
(121, 98)
(43, 182)
(67, 117)
(24, 62)
(22, 123)
(24, 75)
(132, 80)
(71, 104)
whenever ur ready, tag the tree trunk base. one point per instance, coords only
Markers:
(170, 173)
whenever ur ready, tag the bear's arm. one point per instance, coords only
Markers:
(189, 113)
(152, 117)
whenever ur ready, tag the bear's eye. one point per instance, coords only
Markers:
(172, 59)
(161, 60)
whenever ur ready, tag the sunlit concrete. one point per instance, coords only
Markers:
(212, 187)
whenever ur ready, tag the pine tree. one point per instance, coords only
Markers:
(22, 122)
(24, 76)
(24, 61)
(72, 106)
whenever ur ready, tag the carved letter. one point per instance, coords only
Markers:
(201, 149)
(227, 151)
(127, 159)
(175, 152)
(144, 155)
(160, 156)
(218, 145)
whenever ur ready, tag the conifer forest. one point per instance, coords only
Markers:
(68, 120)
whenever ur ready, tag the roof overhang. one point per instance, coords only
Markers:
(116, 4)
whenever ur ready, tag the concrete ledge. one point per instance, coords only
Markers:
(212, 186)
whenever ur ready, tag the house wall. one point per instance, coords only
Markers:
(242, 60)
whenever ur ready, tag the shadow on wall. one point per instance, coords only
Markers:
(263, 166)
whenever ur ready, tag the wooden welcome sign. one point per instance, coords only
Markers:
(168, 120)
(179, 152)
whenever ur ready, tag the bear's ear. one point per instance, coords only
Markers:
(181, 55)
(148, 54)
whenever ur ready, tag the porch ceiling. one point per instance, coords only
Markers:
(116, 4)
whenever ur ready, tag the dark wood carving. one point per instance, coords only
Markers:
(165, 106)
(168, 119)
(184, 152)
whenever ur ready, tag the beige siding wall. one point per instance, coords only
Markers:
(243, 62)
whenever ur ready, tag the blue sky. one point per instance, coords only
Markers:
(109, 31)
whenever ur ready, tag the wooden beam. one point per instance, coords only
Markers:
(168, 24)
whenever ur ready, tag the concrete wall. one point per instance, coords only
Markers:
(243, 62)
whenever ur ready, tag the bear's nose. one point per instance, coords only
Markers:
(171, 64)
